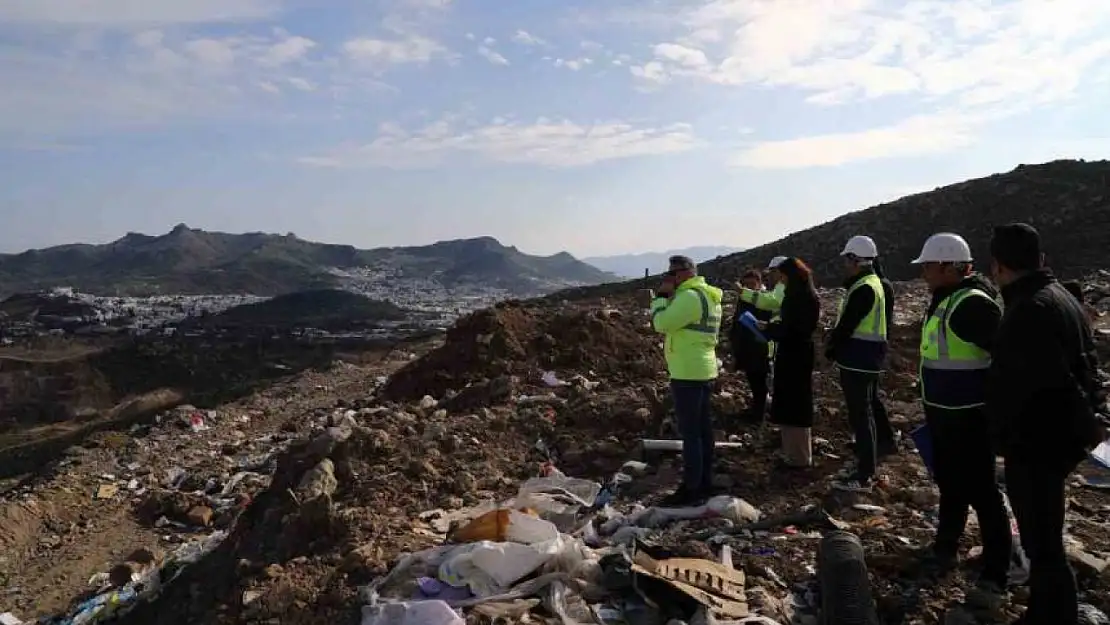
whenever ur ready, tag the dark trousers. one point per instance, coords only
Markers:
(1036, 491)
(691, 407)
(868, 419)
(964, 470)
(757, 371)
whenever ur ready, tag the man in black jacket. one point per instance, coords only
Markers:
(750, 354)
(1042, 399)
(858, 346)
(957, 336)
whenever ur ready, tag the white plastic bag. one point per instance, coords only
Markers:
(411, 613)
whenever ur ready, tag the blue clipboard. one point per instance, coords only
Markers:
(749, 321)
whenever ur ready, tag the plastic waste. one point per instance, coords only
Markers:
(503, 525)
(551, 379)
(411, 613)
(749, 321)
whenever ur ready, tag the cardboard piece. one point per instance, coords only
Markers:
(717, 587)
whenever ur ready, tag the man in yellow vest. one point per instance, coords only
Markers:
(687, 311)
(956, 340)
(858, 346)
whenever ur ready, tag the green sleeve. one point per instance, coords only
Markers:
(675, 314)
(770, 301)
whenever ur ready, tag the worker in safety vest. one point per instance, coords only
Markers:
(770, 301)
(767, 305)
(751, 352)
(957, 335)
(858, 346)
(687, 311)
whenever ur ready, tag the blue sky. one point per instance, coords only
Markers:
(599, 127)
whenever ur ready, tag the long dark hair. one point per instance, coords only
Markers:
(799, 277)
(877, 265)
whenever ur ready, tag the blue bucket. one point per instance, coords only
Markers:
(924, 443)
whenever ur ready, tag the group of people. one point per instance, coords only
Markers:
(1008, 371)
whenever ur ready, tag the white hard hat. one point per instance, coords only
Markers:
(944, 247)
(776, 261)
(861, 246)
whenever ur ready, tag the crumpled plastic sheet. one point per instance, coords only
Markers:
(119, 601)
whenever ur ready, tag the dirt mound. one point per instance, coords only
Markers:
(526, 340)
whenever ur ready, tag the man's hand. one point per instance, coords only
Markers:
(739, 287)
(666, 289)
(644, 297)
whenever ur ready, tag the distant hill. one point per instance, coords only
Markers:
(318, 308)
(190, 261)
(633, 265)
(30, 306)
(1067, 201)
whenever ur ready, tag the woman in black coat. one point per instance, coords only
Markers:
(792, 409)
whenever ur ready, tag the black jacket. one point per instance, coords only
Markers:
(855, 309)
(793, 334)
(1043, 390)
(975, 320)
(746, 348)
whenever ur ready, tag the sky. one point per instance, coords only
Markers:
(594, 126)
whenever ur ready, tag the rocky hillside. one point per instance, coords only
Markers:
(190, 261)
(1068, 201)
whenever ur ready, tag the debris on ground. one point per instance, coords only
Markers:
(503, 478)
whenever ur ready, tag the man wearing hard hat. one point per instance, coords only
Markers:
(753, 357)
(956, 340)
(858, 346)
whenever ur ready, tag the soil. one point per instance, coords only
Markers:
(302, 541)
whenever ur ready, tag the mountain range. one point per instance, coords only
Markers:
(633, 265)
(191, 261)
(1068, 201)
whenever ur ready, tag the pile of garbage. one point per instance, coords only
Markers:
(446, 497)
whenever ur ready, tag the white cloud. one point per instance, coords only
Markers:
(150, 77)
(926, 134)
(969, 61)
(525, 38)
(974, 52)
(560, 144)
(134, 13)
(574, 64)
(408, 49)
(492, 56)
(301, 84)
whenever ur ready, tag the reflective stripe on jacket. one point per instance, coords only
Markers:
(953, 371)
(690, 322)
(866, 348)
(771, 301)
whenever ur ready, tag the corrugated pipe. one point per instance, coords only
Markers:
(845, 587)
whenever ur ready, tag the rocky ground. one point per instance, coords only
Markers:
(313, 488)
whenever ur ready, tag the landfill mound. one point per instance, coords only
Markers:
(1068, 201)
(526, 339)
(536, 485)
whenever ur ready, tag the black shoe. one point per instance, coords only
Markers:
(937, 563)
(682, 498)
